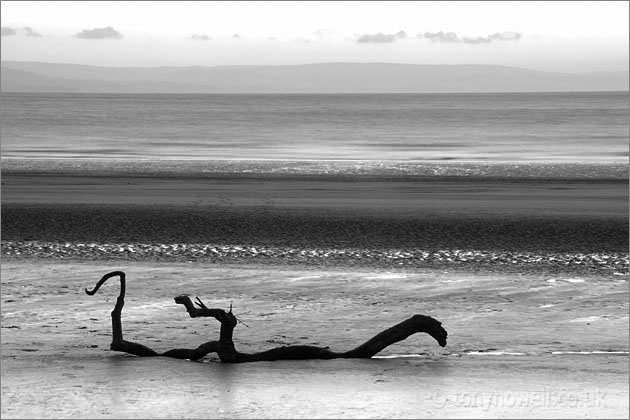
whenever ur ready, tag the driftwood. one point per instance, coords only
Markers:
(226, 351)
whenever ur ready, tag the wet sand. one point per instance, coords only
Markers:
(519, 346)
(382, 212)
(397, 195)
(530, 280)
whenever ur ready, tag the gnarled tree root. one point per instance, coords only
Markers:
(227, 352)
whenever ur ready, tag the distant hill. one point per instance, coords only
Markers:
(18, 76)
(12, 80)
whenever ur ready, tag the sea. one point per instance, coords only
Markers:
(484, 127)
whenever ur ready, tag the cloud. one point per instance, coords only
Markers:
(380, 38)
(30, 32)
(6, 31)
(99, 33)
(452, 37)
(236, 36)
(201, 37)
(506, 36)
(442, 36)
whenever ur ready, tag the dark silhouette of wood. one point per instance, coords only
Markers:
(120, 344)
(227, 352)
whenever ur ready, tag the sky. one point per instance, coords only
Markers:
(564, 36)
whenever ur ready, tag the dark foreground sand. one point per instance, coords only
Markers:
(519, 346)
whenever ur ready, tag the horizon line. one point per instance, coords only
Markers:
(312, 64)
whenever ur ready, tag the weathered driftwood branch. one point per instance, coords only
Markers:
(227, 352)
(120, 344)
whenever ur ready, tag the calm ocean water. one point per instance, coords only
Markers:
(587, 127)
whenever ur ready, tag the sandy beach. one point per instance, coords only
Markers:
(535, 220)
(529, 277)
(519, 346)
